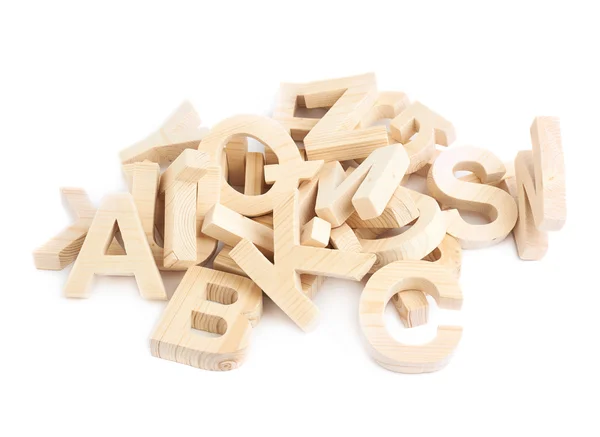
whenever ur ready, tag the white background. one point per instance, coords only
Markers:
(80, 82)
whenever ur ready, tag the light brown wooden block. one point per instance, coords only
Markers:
(420, 129)
(230, 227)
(368, 189)
(179, 132)
(336, 136)
(307, 199)
(343, 238)
(209, 194)
(400, 210)
(143, 179)
(494, 203)
(266, 220)
(179, 183)
(310, 283)
(281, 280)
(398, 277)
(224, 263)
(412, 306)
(235, 153)
(389, 105)
(315, 233)
(413, 244)
(116, 210)
(285, 175)
(210, 301)
(255, 174)
(540, 182)
(62, 249)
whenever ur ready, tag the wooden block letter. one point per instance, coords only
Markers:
(61, 250)
(211, 301)
(179, 184)
(116, 211)
(396, 277)
(494, 203)
(540, 175)
(281, 280)
(286, 174)
(181, 131)
(368, 189)
(335, 136)
(420, 129)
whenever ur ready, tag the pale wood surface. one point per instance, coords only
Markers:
(255, 174)
(286, 175)
(492, 202)
(540, 183)
(315, 233)
(412, 306)
(62, 249)
(388, 105)
(280, 281)
(116, 210)
(179, 132)
(420, 239)
(223, 262)
(396, 277)
(368, 189)
(230, 227)
(179, 183)
(212, 301)
(235, 153)
(144, 180)
(420, 129)
(400, 210)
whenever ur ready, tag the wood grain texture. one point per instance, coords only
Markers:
(281, 281)
(420, 129)
(420, 239)
(285, 175)
(343, 238)
(389, 105)
(310, 283)
(337, 135)
(211, 301)
(235, 153)
(315, 233)
(255, 174)
(400, 210)
(62, 249)
(367, 190)
(412, 306)
(540, 183)
(179, 183)
(143, 180)
(398, 277)
(208, 195)
(492, 202)
(230, 227)
(179, 132)
(116, 211)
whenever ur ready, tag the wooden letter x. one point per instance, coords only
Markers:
(116, 210)
(281, 281)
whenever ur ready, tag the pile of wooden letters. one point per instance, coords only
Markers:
(326, 198)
